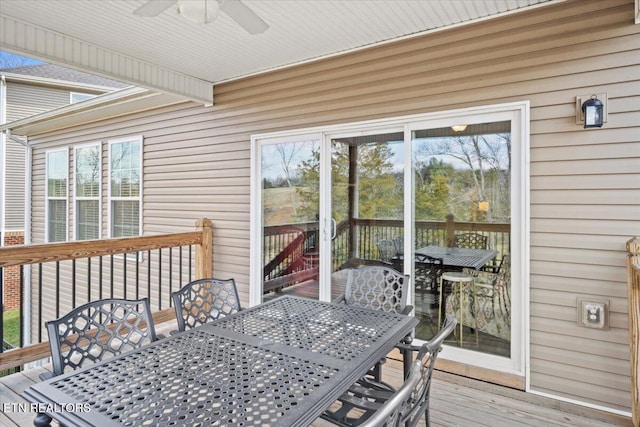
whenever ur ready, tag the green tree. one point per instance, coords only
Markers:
(379, 189)
(432, 190)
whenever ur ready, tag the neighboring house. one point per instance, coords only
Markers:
(25, 91)
(574, 193)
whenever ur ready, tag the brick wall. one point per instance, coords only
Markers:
(11, 280)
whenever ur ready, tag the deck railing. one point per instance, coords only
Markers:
(633, 263)
(62, 276)
(289, 250)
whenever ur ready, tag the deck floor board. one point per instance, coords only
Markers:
(456, 401)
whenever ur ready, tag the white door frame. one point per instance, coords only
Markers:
(518, 114)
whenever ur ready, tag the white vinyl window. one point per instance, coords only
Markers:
(57, 172)
(125, 187)
(88, 177)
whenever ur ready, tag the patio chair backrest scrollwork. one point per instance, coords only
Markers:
(378, 288)
(98, 330)
(471, 241)
(204, 300)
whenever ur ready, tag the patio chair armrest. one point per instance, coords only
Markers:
(408, 347)
(407, 310)
(341, 299)
(45, 376)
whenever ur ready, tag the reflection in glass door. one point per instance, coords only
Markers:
(290, 212)
(367, 208)
(462, 222)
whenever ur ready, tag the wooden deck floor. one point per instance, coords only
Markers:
(455, 401)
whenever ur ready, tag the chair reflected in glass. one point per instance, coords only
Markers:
(98, 330)
(398, 241)
(370, 403)
(428, 270)
(471, 241)
(377, 288)
(489, 308)
(204, 300)
(386, 250)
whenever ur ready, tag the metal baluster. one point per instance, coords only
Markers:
(170, 274)
(89, 279)
(159, 278)
(149, 275)
(137, 275)
(22, 307)
(73, 283)
(111, 275)
(40, 302)
(57, 289)
(124, 275)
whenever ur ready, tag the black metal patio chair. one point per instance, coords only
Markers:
(370, 403)
(205, 300)
(98, 330)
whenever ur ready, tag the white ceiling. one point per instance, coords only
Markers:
(171, 53)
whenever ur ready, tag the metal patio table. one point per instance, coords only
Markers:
(280, 363)
(459, 258)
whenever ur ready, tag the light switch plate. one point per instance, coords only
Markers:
(593, 314)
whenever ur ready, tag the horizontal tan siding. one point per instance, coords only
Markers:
(585, 195)
(14, 175)
(22, 101)
(25, 100)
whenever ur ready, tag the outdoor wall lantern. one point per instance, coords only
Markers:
(593, 110)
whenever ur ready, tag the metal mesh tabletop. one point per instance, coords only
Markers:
(459, 257)
(338, 331)
(277, 364)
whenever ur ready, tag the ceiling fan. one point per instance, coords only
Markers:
(206, 11)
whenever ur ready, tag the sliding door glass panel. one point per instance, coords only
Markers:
(367, 190)
(290, 212)
(462, 216)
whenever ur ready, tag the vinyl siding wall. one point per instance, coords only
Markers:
(585, 184)
(23, 101)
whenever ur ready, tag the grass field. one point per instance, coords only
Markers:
(279, 205)
(11, 322)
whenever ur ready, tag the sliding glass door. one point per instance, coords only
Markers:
(427, 195)
(462, 179)
(367, 206)
(289, 195)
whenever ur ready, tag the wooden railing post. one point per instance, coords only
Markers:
(204, 251)
(450, 230)
(633, 266)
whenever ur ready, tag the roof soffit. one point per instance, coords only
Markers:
(173, 55)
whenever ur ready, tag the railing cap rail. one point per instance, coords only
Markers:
(48, 252)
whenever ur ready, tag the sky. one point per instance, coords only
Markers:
(9, 60)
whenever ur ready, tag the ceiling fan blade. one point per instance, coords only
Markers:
(244, 16)
(154, 8)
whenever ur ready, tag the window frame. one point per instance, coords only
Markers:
(48, 198)
(76, 198)
(110, 199)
